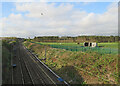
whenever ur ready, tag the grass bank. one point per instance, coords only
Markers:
(7, 54)
(6, 62)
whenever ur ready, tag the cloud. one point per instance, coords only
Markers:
(60, 0)
(60, 20)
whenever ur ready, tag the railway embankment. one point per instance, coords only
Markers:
(7, 53)
(78, 67)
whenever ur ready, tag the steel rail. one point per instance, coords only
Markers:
(45, 65)
(38, 74)
(28, 71)
(17, 79)
(20, 64)
(21, 71)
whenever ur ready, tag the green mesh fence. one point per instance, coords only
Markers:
(85, 49)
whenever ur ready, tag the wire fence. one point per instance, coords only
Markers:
(87, 49)
(84, 49)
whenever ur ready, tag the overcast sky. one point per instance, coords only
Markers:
(29, 19)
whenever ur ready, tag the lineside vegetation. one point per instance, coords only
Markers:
(79, 67)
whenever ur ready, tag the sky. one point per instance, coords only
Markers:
(25, 19)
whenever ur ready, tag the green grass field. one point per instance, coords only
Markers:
(49, 43)
(109, 45)
(104, 45)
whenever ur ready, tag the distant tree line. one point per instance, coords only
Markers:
(76, 39)
(8, 38)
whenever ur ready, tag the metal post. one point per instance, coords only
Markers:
(45, 52)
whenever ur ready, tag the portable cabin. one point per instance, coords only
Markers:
(86, 44)
(90, 44)
(94, 44)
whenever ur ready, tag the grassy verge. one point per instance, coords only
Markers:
(78, 67)
(6, 61)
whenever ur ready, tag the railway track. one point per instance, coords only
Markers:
(30, 71)
(17, 71)
(26, 74)
(34, 74)
(40, 75)
(51, 75)
(20, 73)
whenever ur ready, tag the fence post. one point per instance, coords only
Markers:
(45, 52)
(110, 50)
(76, 48)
